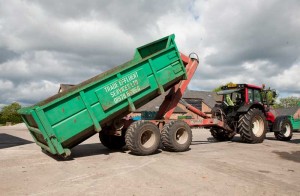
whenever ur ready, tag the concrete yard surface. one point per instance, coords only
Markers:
(208, 168)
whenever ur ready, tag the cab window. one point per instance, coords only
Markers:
(254, 96)
(257, 96)
(250, 95)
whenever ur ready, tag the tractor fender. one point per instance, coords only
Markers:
(245, 108)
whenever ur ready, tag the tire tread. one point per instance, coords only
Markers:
(167, 137)
(131, 138)
(244, 126)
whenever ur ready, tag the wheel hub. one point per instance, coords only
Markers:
(181, 136)
(257, 126)
(147, 139)
(286, 130)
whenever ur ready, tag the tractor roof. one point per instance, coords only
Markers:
(253, 86)
(240, 86)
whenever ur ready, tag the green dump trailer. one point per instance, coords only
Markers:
(96, 105)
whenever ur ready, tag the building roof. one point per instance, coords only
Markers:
(287, 111)
(209, 98)
(64, 87)
(155, 103)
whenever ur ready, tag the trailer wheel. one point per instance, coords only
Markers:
(253, 126)
(220, 134)
(111, 141)
(282, 128)
(142, 137)
(176, 136)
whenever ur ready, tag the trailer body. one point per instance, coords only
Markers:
(295, 123)
(66, 119)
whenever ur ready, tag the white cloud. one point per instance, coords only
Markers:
(256, 65)
(35, 90)
(28, 27)
(5, 85)
(45, 43)
(288, 80)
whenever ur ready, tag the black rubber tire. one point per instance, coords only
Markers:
(111, 141)
(245, 126)
(220, 134)
(176, 136)
(138, 140)
(280, 126)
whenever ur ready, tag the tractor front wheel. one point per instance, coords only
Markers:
(220, 134)
(282, 128)
(253, 126)
(111, 141)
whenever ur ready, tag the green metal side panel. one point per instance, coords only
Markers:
(295, 123)
(125, 86)
(70, 117)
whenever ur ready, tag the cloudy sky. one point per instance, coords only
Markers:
(45, 43)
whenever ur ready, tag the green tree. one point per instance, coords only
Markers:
(1, 120)
(269, 95)
(287, 102)
(9, 113)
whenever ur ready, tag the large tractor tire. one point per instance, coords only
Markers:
(282, 128)
(253, 126)
(176, 136)
(111, 141)
(142, 138)
(220, 134)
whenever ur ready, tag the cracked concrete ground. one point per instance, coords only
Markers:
(208, 168)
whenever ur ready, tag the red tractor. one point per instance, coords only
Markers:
(245, 110)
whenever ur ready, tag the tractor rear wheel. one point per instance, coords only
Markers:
(176, 136)
(220, 134)
(111, 141)
(282, 128)
(253, 126)
(142, 138)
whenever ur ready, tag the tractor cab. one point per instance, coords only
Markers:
(237, 99)
(233, 97)
(241, 94)
(245, 96)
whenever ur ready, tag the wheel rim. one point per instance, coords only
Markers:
(286, 130)
(147, 139)
(181, 135)
(258, 126)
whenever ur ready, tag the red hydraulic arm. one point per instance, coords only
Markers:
(193, 109)
(175, 94)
